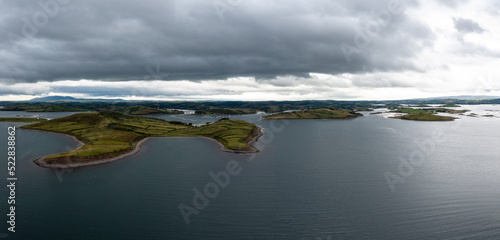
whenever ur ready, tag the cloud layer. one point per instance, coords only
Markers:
(118, 39)
(193, 41)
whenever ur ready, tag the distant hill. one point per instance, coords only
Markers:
(462, 97)
(52, 98)
(68, 99)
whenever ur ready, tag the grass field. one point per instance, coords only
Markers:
(314, 114)
(22, 119)
(234, 134)
(108, 134)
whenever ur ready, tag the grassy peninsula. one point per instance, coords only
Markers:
(108, 135)
(315, 114)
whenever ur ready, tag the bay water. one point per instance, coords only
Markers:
(363, 178)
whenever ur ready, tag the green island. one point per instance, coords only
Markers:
(109, 136)
(224, 111)
(143, 110)
(427, 114)
(28, 120)
(315, 114)
(410, 110)
(429, 110)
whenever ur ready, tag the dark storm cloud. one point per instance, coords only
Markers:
(149, 39)
(467, 26)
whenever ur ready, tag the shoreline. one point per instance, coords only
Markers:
(138, 146)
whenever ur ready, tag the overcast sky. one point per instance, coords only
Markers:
(249, 49)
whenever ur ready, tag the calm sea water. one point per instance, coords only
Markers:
(313, 179)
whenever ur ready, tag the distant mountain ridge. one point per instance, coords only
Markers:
(462, 97)
(67, 99)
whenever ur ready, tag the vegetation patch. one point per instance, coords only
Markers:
(447, 110)
(233, 134)
(427, 114)
(44, 108)
(315, 114)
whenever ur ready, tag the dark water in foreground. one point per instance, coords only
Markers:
(316, 179)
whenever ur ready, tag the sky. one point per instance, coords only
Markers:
(249, 50)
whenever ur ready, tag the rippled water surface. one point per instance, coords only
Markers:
(313, 179)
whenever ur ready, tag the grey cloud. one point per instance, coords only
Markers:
(464, 25)
(472, 49)
(452, 3)
(118, 40)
